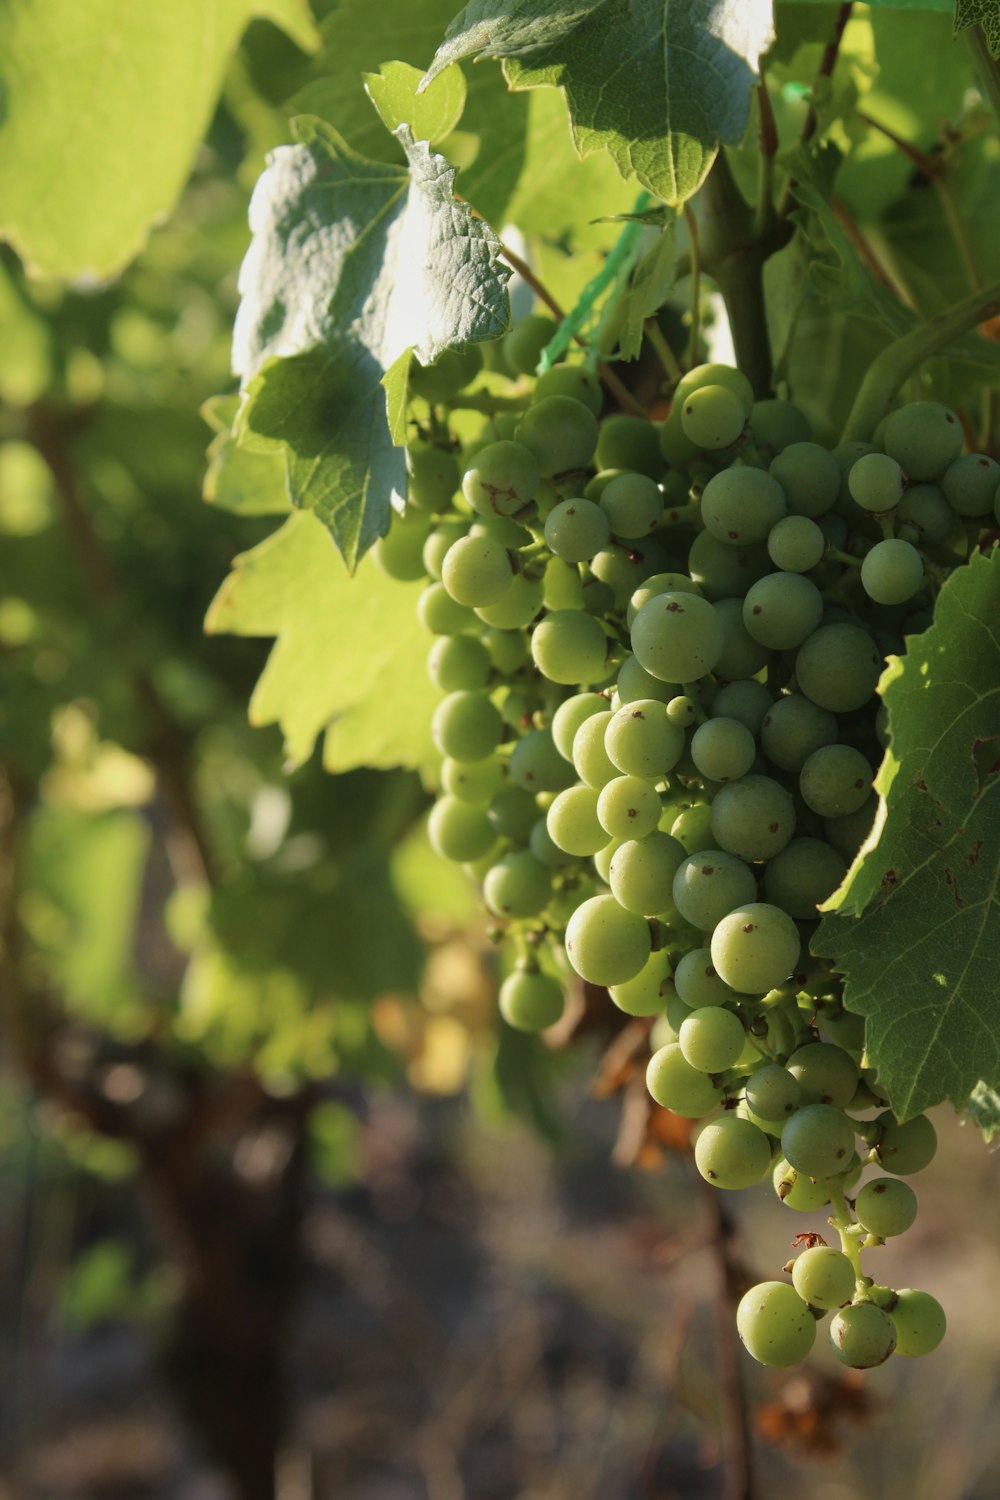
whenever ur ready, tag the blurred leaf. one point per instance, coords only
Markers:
(983, 1109)
(98, 1286)
(349, 653)
(429, 115)
(335, 1143)
(913, 926)
(353, 263)
(104, 108)
(650, 285)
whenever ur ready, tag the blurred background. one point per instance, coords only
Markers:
(278, 1194)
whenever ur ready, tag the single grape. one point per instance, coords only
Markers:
(628, 807)
(818, 1140)
(809, 477)
(796, 544)
(458, 830)
(517, 886)
(723, 749)
(677, 637)
(658, 583)
(590, 758)
(605, 943)
(776, 424)
(722, 571)
(797, 1189)
(709, 884)
(569, 646)
(682, 711)
(457, 663)
(715, 375)
(802, 876)
(793, 728)
(432, 477)
(924, 438)
(924, 514)
(570, 715)
(544, 849)
(745, 701)
(711, 1039)
(876, 482)
(641, 740)
(561, 434)
(782, 609)
(907, 1148)
(697, 982)
(740, 505)
(466, 726)
(570, 380)
(645, 994)
(530, 1000)
(892, 572)
(755, 948)
(741, 656)
(517, 607)
(825, 1074)
(970, 483)
(641, 872)
(835, 780)
(439, 613)
(713, 417)
(838, 667)
(753, 818)
(692, 827)
(633, 505)
(775, 1324)
(886, 1207)
(626, 442)
(522, 346)
(634, 682)
(502, 479)
(823, 1277)
(536, 764)
(731, 1153)
(472, 781)
(513, 812)
(919, 1321)
(772, 1092)
(675, 1085)
(862, 1336)
(623, 566)
(573, 824)
(576, 529)
(477, 570)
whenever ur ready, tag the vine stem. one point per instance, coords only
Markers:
(692, 224)
(733, 254)
(606, 375)
(892, 367)
(827, 64)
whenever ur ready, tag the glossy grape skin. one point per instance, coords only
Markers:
(919, 1320)
(825, 1073)
(605, 943)
(530, 1000)
(590, 758)
(714, 374)
(568, 646)
(570, 715)
(862, 1336)
(711, 1039)
(645, 995)
(628, 807)
(886, 1206)
(572, 822)
(459, 831)
(775, 1324)
(697, 982)
(772, 1092)
(641, 872)
(796, 1189)
(823, 1277)
(712, 417)
(755, 948)
(458, 663)
(675, 1085)
(731, 1153)
(641, 740)
(476, 571)
(818, 1140)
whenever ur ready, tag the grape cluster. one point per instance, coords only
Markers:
(658, 647)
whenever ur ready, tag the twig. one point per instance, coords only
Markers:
(865, 252)
(827, 64)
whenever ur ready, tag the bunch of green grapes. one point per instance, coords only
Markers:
(658, 647)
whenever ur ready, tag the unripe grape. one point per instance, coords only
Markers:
(892, 572)
(775, 1324)
(796, 544)
(457, 663)
(712, 417)
(466, 726)
(641, 872)
(605, 943)
(825, 1074)
(641, 740)
(876, 482)
(576, 529)
(476, 570)
(924, 437)
(809, 476)
(573, 824)
(459, 831)
(570, 715)
(633, 505)
(675, 1085)
(697, 981)
(886, 1207)
(740, 505)
(626, 442)
(677, 637)
(970, 483)
(645, 994)
(836, 780)
(522, 346)
(472, 781)
(823, 1277)
(715, 375)
(569, 646)
(517, 886)
(502, 479)
(709, 884)
(862, 1336)
(907, 1148)
(772, 1092)
(711, 1039)
(731, 1153)
(530, 1000)
(755, 948)
(919, 1321)
(818, 1140)
(561, 434)
(838, 667)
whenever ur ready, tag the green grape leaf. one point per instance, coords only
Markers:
(689, 68)
(431, 114)
(983, 1108)
(239, 479)
(348, 659)
(913, 927)
(352, 263)
(984, 13)
(104, 107)
(648, 288)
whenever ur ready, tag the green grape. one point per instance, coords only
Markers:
(970, 483)
(590, 759)
(452, 370)
(438, 544)
(576, 529)
(502, 479)
(731, 1153)
(432, 477)
(623, 566)
(517, 708)
(723, 749)
(775, 425)
(862, 1336)
(741, 656)
(711, 1039)
(775, 1324)
(661, 1033)
(570, 715)
(573, 824)
(697, 982)
(563, 585)
(598, 483)
(502, 529)
(571, 380)
(605, 943)
(633, 505)
(522, 346)
(809, 476)
(818, 1140)
(536, 764)
(676, 1012)
(886, 1207)
(876, 482)
(797, 1189)
(919, 1321)
(925, 511)
(634, 682)
(740, 505)
(628, 807)
(795, 544)
(838, 667)
(400, 553)
(641, 872)
(644, 995)
(560, 432)
(924, 438)
(722, 571)
(466, 726)
(602, 859)
(641, 740)
(755, 948)
(512, 812)
(629, 443)
(840, 1026)
(781, 610)
(892, 572)
(713, 417)
(825, 1074)
(508, 651)
(477, 570)
(692, 828)
(659, 583)
(848, 834)
(682, 711)
(835, 780)
(545, 850)
(457, 662)
(439, 613)
(745, 701)
(802, 876)
(773, 1093)
(675, 1085)
(472, 780)
(708, 885)
(793, 729)
(530, 1000)
(517, 607)
(716, 375)
(823, 1277)
(907, 1148)
(847, 455)
(458, 830)
(753, 818)
(569, 646)
(677, 637)
(517, 886)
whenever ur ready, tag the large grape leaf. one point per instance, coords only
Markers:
(349, 656)
(104, 106)
(353, 262)
(659, 85)
(914, 926)
(985, 13)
